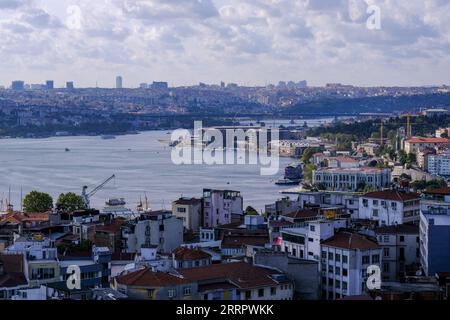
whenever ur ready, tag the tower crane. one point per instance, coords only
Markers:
(87, 195)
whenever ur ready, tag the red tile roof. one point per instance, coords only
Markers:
(428, 140)
(13, 275)
(442, 191)
(350, 241)
(148, 278)
(183, 253)
(399, 229)
(302, 214)
(235, 241)
(393, 195)
(241, 274)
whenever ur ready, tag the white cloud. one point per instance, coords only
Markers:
(186, 41)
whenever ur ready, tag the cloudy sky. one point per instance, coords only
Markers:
(244, 41)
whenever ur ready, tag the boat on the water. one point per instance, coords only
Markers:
(293, 175)
(108, 137)
(117, 208)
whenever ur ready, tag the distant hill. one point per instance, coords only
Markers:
(370, 104)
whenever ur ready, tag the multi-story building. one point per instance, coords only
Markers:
(415, 144)
(345, 258)
(436, 201)
(190, 211)
(400, 248)
(156, 228)
(434, 242)
(304, 242)
(347, 201)
(439, 164)
(351, 179)
(221, 207)
(390, 207)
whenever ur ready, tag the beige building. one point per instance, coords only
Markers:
(415, 144)
(189, 210)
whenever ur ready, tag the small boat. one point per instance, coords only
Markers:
(108, 137)
(287, 182)
(67, 149)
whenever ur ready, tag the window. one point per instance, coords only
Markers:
(338, 284)
(386, 267)
(402, 238)
(260, 292)
(344, 272)
(330, 281)
(394, 205)
(344, 285)
(365, 259)
(324, 254)
(310, 239)
(150, 293)
(375, 258)
(171, 293)
(375, 202)
(330, 269)
(386, 252)
(365, 203)
(248, 294)
(181, 210)
(324, 267)
(337, 271)
(375, 212)
(344, 259)
(187, 291)
(338, 257)
(386, 239)
(273, 291)
(312, 228)
(330, 255)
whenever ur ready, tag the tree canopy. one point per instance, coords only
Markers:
(69, 202)
(37, 202)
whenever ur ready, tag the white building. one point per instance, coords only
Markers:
(439, 164)
(304, 243)
(390, 207)
(350, 179)
(345, 258)
(345, 199)
(400, 245)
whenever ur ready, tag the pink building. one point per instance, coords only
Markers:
(221, 207)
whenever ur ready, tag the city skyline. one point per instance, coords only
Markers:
(246, 42)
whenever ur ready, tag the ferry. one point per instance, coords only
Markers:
(117, 208)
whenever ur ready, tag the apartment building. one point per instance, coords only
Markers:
(221, 207)
(345, 258)
(190, 211)
(400, 248)
(415, 144)
(390, 207)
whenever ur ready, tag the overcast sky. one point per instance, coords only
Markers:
(244, 41)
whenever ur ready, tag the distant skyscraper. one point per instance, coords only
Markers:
(17, 85)
(69, 85)
(49, 84)
(119, 84)
(160, 85)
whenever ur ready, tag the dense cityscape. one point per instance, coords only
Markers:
(348, 202)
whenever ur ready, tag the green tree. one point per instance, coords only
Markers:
(251, 211)
(307, 171)
(37, 202)
(69, 202)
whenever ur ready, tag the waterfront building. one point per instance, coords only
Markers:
(351, 179)
(439, 164)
